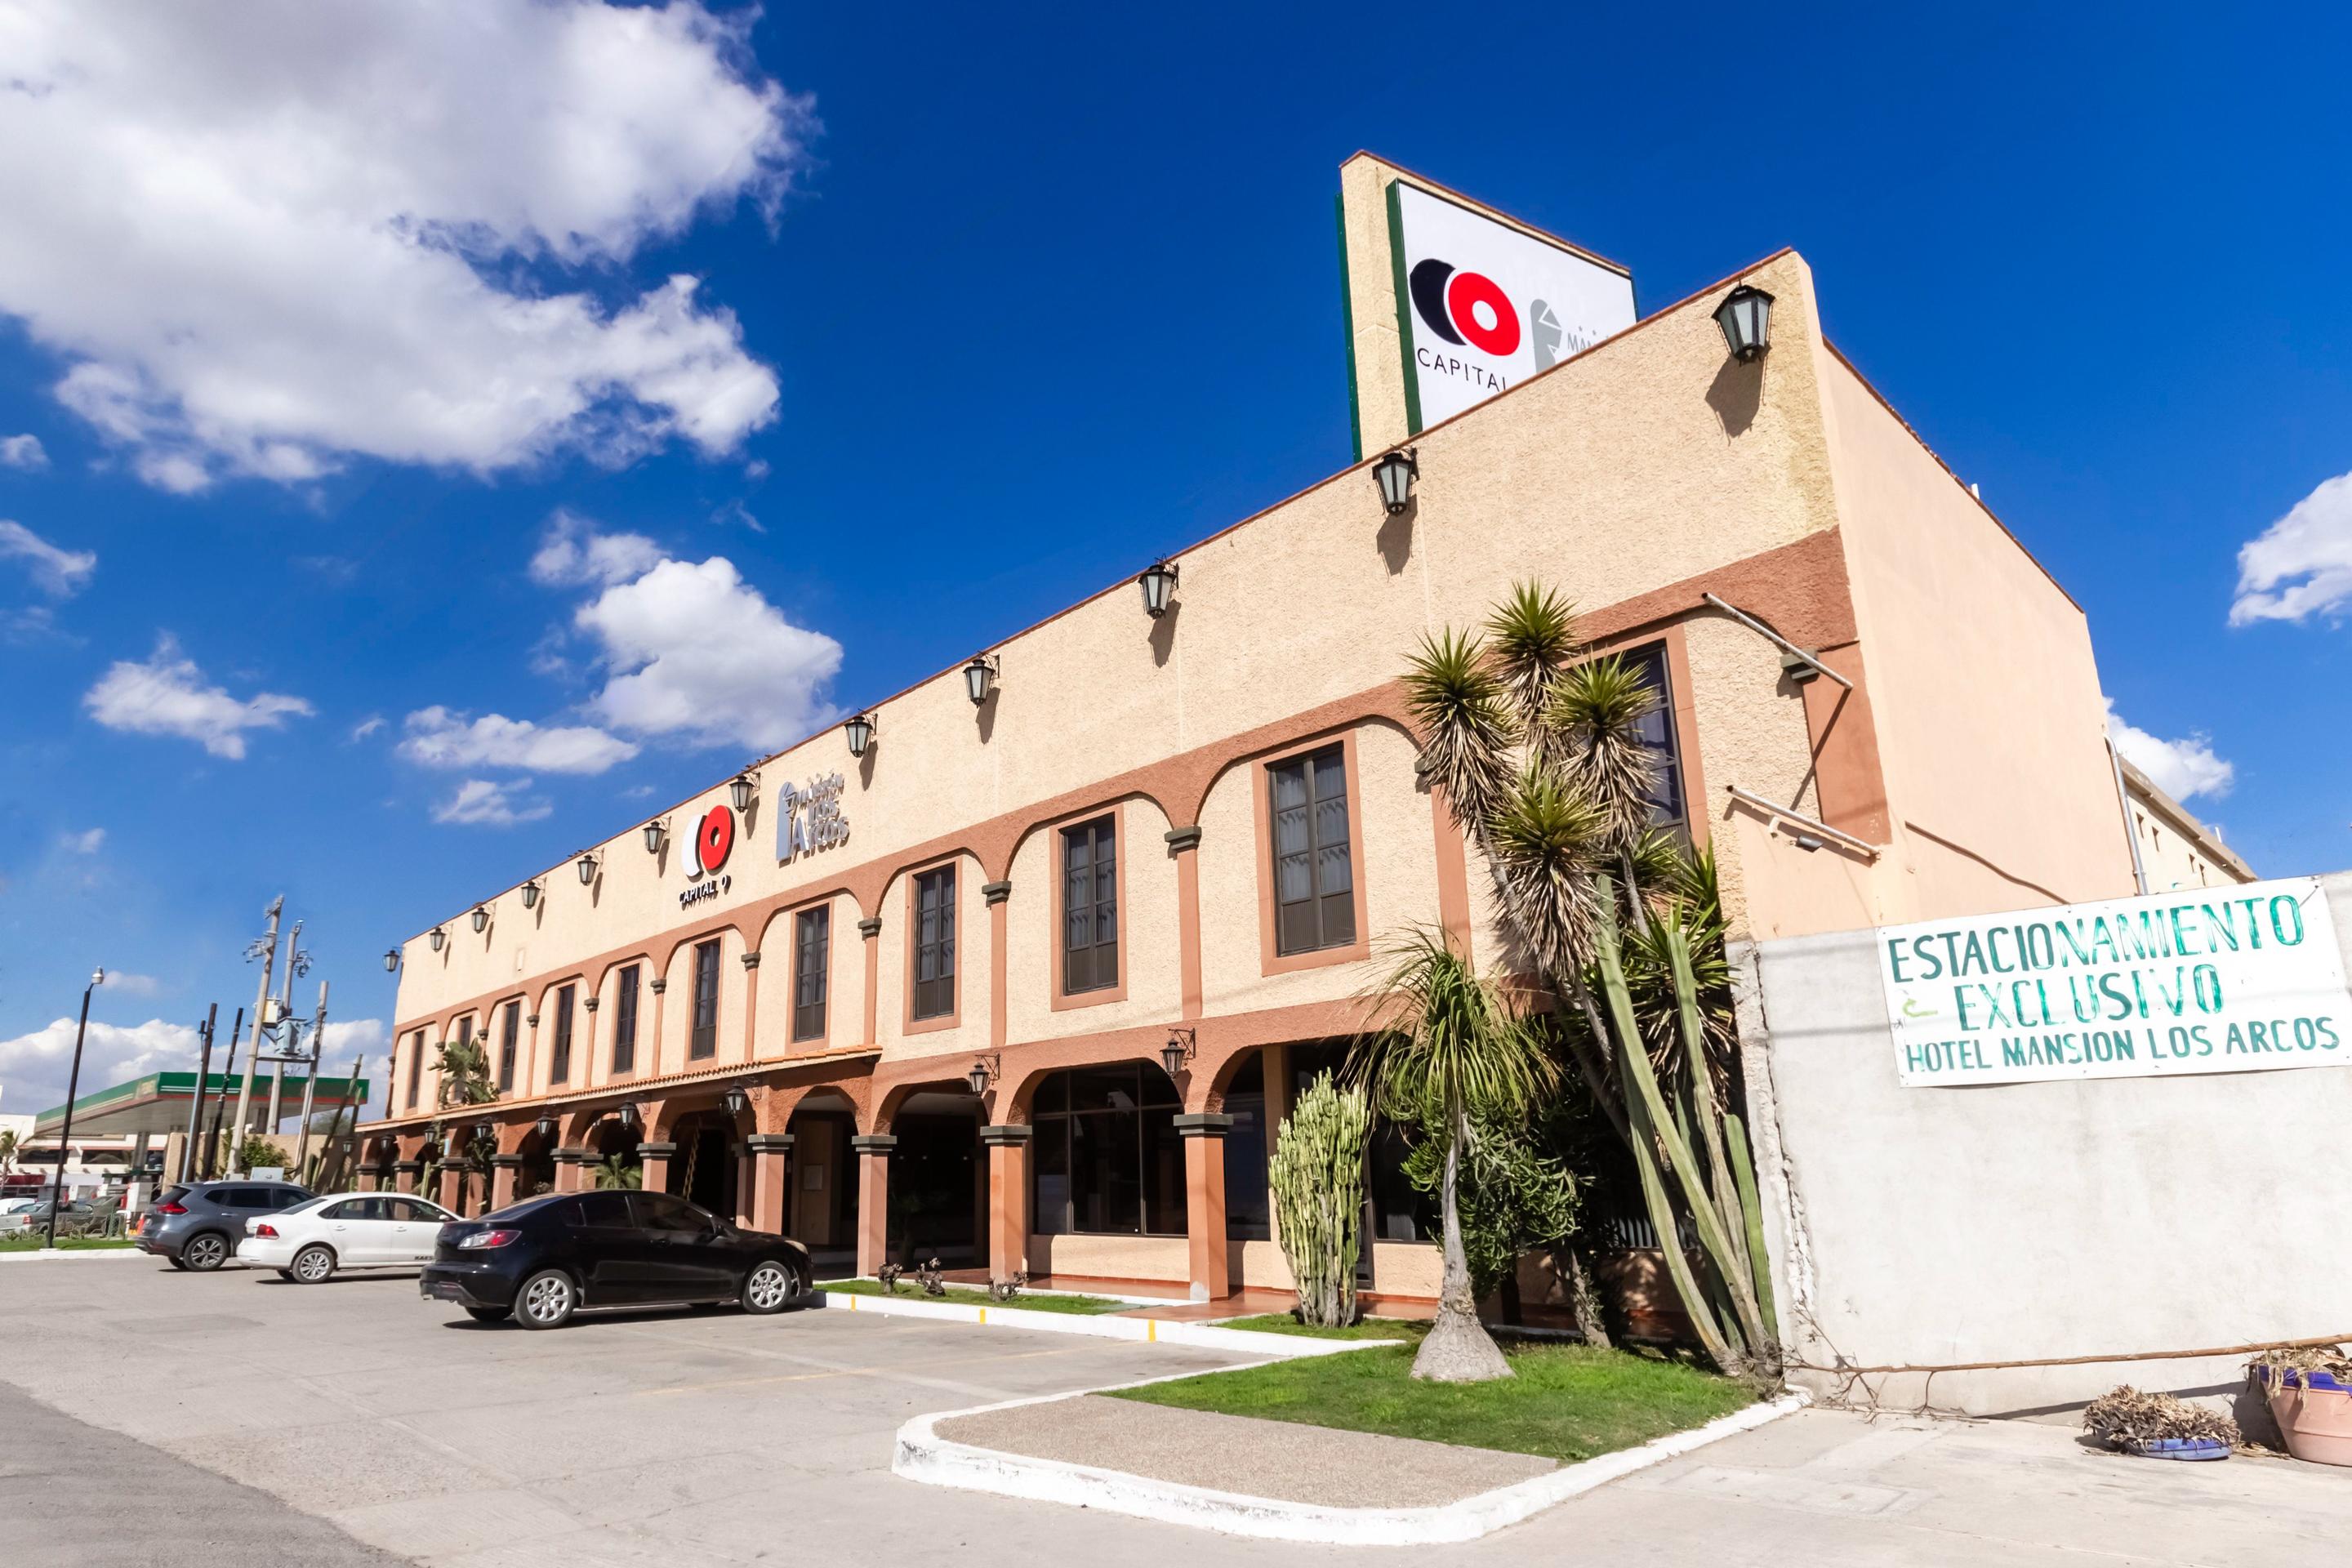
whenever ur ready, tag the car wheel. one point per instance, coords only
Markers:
(490, 1314)
(314, 1265)
(546, 1299)
(771, 1287)
(175, 1263)
(205, 1253)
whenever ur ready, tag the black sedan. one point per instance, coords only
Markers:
(544, 1260)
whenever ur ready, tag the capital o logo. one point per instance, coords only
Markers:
(714, 837)
(1464, 307)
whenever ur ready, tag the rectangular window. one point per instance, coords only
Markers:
(416, 1066)
(506, 1038)
(1089, 907)
(624, 1021)
(703, 1039)
(558, 1061)
(811, 953)
(935, 993)
(1108, 1158)
(1314, 878)
(1661, 739)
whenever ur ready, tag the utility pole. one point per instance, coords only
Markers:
(65, 1133)
(296, 962)
(264, 950)
(196, 1100)
(220, 1104)
(311, 1083)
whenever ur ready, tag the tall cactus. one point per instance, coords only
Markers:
(1317, 1177)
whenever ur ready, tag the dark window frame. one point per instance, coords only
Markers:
(624, 1021)
(933, 1000)
(559, 1060)
(1092, 963)
(702, 1015)
(415, 1066)
(812, 972)
(508, 1038)
(1144, 1124)
(1325, 918)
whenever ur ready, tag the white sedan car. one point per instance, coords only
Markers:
(309, 1242)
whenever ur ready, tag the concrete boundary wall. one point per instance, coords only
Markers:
(2028, 1221)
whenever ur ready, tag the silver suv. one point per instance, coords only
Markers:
(198, 1226)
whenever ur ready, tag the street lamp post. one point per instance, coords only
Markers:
(73, 1087)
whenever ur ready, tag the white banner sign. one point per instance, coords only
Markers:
(2235, 979)
(1486, 306)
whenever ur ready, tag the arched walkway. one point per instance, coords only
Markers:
(821, 1211)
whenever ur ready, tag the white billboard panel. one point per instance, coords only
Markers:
(1482, 305)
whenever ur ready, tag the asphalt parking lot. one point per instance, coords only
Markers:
(167, 1418)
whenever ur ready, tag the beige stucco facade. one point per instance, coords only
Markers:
(1963, 770)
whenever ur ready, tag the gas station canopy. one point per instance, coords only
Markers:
(157, 1103)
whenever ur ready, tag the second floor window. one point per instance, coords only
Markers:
(416, 1066)
(507, 1035)
(624, 1021)
(812, 947)
(1089, 906)
(935, 995)
(703, 1039)
(558, 1061)
(1313, 876)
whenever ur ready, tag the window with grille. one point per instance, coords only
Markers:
(624, 1021)
(1314, 878)
(1089, 907)
(935, 946)
(703, 1039)
(558, 1061)
(812, 952)
(506, 1038)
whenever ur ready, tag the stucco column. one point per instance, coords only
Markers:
(654, 1165)
(571, 1169)
(504, 1169)
(872, 1151)
(452, 1185)
(404, 1174)
(1184, 842)
(994, 894)
(750, 1001)
(771, 1179)
(870, 929)
(1008, 1199)
(1203, 1132)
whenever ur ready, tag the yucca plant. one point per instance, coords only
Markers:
(1542, 762)
(613, 1175)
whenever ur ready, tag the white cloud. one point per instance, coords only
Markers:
(268, 235)
(21, 452)
(37, 1067)
(695, 652)
(367, 726)
(2302, 564)
(2182, 769)
(59, 573)
(123, 982)
(479, 802)
(85, 843)
(574, 554)
(167, 695)
(345, 1035)
(440, 738)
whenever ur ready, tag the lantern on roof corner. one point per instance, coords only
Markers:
(587, 868)
(1158, 582)
(1396, 473)
(1746, 318)
(980, 678)
(744, 788)
(860, 732)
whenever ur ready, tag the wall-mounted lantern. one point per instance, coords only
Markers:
(1746, 318)
(744, 788)
(530, 894)
(1158, 581)
(390, 960)
(436, 936)
(984, 1073)
(980, 678)
(656, 835)
(587, 866)
(485, 1132)
(1177, 1051)
(630, 1117)
(860, 732)
(1396, 473)
(480, 917)
(735, 1100)
(545, 1128)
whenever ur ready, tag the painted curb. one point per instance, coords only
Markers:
(43, 1255)
(923, 1456)
(1147, 1331)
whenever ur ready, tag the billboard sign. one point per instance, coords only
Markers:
(2231, 979)
(1481, 306)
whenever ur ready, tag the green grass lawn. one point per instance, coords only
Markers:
(31, 1242)
(964, 1296)
(1566, 1402)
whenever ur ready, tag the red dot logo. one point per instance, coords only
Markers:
(1483, 314)
(714, 838)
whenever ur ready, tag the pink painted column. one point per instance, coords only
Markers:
(1203, 1133)
(873, 1199)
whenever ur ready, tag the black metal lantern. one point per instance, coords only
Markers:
(979, 679)
(485, 1132)
(391, 958)
(545, 1128)
(436, 937)
(530, 894)
(860, 732)
(630, 1117)
(1172, 1055)
(1158, 581)
(1746, 318)
(481, 917)
(657, 834)
(978, 1078)
(587, 868)
(1396, 473)
(735, 1100)
(743, 788)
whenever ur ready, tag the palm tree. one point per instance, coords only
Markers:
(1543, 765)
(7, 1148)
(613, 1175)
(1454, 1052)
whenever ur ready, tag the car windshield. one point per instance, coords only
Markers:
(306, 1206)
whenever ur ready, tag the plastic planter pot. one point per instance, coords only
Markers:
(2313, 1412)
(2190, 1449)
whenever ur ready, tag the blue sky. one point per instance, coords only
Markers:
(387, 524)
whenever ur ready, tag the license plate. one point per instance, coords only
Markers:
(444, 1291)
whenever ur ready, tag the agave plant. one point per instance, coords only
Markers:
(1539, 755)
